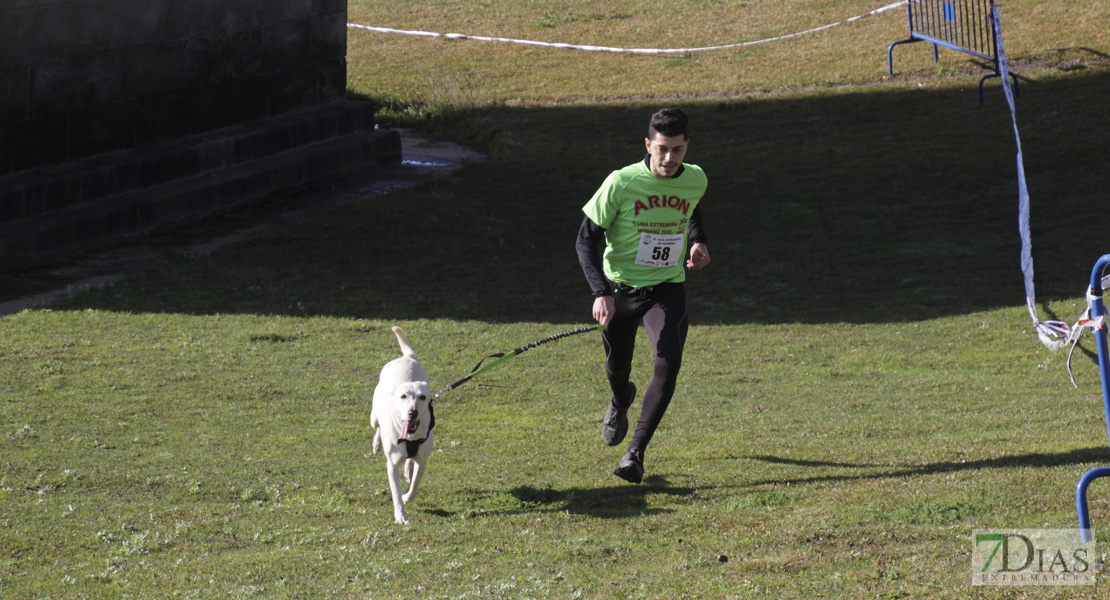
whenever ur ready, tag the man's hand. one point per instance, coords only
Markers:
(699, 257)
(604, 307)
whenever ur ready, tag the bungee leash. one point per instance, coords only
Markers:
(504, 356)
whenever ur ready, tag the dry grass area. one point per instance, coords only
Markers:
(1037, 33)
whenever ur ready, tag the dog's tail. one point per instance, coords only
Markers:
(406, 349)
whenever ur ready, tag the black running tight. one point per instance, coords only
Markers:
(662, 309)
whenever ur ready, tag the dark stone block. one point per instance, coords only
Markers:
(51, 30)
(285, 46)
(84, 26)
(277, 135)
(10, 25)
(40, 193)
(101, 130)
(26, 3)
(42, 140)
(14, 197)
(260, 14)
(293, 90)
(102, 180)
(77, 83)
(154, 69)
(225, 17)
(218, 59)
(234, 102)
(13, 92)
(333, 80)
(190, 18)
(215, 156)
(5, 152)
(187, 19)
(11, 203)
(166, 116)
(327, 6)
(254, 145)
(136, 22)
(291, 10)
(166, 164)
(327, 37)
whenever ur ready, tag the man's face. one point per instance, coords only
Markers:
(666, 153)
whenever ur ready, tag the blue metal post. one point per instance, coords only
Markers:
(1098, 309)
(1081, 500)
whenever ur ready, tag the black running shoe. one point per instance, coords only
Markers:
(631, 468)
(615, 425)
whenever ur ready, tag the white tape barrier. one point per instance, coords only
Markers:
(481, 38)
(1053, 334)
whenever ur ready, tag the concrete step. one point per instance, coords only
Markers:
(40, 191)
(425, 158)
(76, 208)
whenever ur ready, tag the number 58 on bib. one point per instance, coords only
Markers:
(659, 250)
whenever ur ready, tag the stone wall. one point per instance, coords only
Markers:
(85, 77)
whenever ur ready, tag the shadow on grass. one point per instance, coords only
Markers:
(874, 204)
(1035, 459)
(613, 502)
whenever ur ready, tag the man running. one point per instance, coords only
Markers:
(639, 226)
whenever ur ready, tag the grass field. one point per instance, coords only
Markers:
(861, 390)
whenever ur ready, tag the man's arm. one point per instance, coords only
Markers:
(696, 228)
(590, 244)
(699, 252)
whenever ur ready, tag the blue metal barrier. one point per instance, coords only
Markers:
(1098, 309)
(961, 25)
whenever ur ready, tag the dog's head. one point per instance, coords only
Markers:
(413, 415)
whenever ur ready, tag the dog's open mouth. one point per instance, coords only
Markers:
(408, 428)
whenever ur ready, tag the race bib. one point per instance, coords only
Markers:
(659, 250)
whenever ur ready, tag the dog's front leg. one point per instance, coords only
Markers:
(394, 470)
(414, 469)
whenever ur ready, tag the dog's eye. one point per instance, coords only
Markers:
(423, 397)
(403, 396)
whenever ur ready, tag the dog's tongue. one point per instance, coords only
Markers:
(404, 431)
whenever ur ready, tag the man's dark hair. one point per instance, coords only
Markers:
(669, 122)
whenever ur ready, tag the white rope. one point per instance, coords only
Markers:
(586, 48)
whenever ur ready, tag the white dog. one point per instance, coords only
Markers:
(402, 417)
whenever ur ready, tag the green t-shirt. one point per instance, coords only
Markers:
(645, 220)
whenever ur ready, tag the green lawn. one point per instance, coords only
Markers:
(862, 387)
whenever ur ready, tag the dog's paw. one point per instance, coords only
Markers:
(400, 517)
(377, 445)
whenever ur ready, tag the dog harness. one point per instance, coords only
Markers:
(413, 446)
